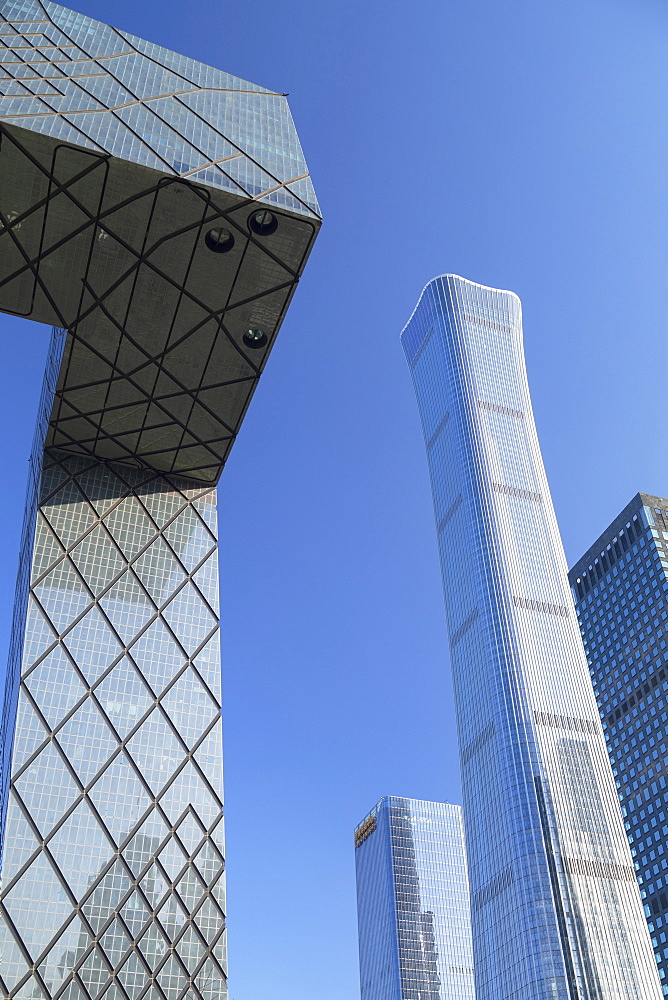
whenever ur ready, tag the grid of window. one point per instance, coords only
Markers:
(621, 591)
(80, 81)
(555, 909)
(133, 176)
(113, 871)
(413, 902)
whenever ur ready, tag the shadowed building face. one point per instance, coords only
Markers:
(158, 213)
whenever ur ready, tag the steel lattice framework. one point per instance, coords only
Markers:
(158, 214)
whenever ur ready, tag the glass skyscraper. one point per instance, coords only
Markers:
(556, 910)
(158, 214)
(413, 902)
(620, 586)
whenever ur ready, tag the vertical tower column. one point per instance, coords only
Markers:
(555, 906)
(113, 863)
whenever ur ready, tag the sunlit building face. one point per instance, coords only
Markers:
(555, 906)
(158, 214)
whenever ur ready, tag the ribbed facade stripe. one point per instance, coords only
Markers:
(556, 913)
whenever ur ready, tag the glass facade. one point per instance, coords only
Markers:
(158, 213)
(556, 910)
(620, 587)
(413, 902)
(82, 82)
(113, 874)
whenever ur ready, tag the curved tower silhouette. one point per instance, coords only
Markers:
(556, 910)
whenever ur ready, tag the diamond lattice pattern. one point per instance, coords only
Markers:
(113, 871)
(83, 82)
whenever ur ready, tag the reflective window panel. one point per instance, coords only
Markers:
(413, 902)
(620, 586)
(556, 910)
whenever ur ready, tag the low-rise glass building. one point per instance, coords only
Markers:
(413, 902)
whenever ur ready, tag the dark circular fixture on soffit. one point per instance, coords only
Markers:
(219, 240)
(255, 338)
(263, 222)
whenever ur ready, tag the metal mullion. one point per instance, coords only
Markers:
(173, 634)
(187, 759)
(202, 884)
(59, 559)
(86, 589)
(152, 360)
(170, 953)
(127, 377)
(40, 982)
(198, 769)
(191, 664)
(172, 725)
(209, 898)
(167, 395)
(189, 811)
(183, 746)
(210, 832)
(160, 363)
(210, 163)
(4, 913)
(86, 788)
(176, 679)
(154, 859)
(264, 170)
(50, 730)
(219, 858)
(204, 599)
(122, 740)
(135, 950)
(55, 188)
(94, 886)
(31, 266)
(206, 528)
(63, 635)
(209, 955)
(143, 141)
(75, 912)
(163, 792)
(152, 984)
(37, 833)
(125, 651)
(135, 278)
(190, 924)
(116, 917)
(67, 551)
(199, 565)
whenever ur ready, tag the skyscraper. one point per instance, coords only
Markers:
(556, 910)
(620, 586)
(413, 902)
(158, 213)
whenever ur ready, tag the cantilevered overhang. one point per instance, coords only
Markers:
(171, 282)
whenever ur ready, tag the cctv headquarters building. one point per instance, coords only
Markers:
(157, 213)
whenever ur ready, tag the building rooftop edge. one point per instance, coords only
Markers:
(440, 277)
(404, 798)
(634, 504)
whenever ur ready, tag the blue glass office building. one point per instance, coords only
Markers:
(556, 910)
(157, 213)
(620, 586)
(413, 902)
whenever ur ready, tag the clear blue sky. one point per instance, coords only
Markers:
(521, 144)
